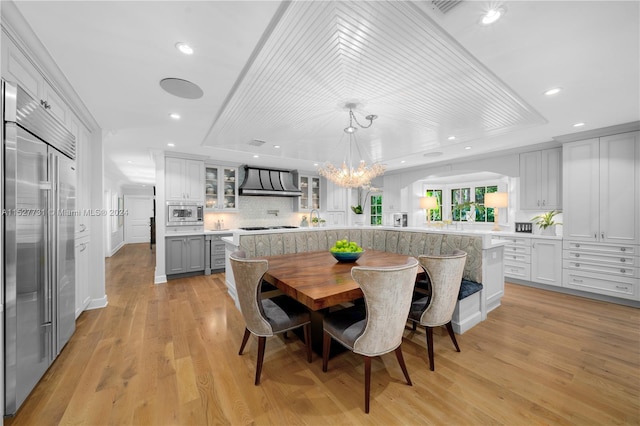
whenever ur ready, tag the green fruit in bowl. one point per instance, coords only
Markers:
(345, 246)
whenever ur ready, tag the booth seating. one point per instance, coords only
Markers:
(471, 306)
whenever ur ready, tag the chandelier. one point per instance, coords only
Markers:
(348, 175)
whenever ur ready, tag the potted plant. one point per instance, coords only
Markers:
(546, 223)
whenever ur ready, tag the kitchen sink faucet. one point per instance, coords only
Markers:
(311, 216)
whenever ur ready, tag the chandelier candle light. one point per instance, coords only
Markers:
(347, 175)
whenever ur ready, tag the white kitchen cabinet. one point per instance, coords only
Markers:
(600, 195)
(17, 67)
(84, 174)
(335, 218)
(184, 180)
(335, 197)
(82, 274)
(310, 198)
(609, 269)
(185, 254)
(517, 257)
(540, 180)
(221, 188)
(546, 261)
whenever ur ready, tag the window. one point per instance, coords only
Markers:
(460, 207)
(482, 214)
(376, 209)
(436, 214)
(464, 208)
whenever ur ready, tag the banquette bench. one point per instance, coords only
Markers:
(470, 310)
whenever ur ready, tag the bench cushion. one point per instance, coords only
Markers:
(467, 288)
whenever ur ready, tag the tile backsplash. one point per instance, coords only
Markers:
(258, 211)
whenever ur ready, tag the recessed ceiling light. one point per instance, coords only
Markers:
(467, 147)
(171, 144)
(492, 15)
(578, 125)
(174, 116)
(184, 48)
(402, 162)
(553, 91)
(315, 164)
(256, 156)
(130, 162)
(451, 138)
(276, 146)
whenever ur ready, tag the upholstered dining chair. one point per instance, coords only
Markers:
(435, 309)
(265, 317)
(375, 327)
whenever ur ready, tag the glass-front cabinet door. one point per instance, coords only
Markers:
(230, 201)
(211, 188)
(221, 188)
(310, 198)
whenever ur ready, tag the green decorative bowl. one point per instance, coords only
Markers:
(347, 257)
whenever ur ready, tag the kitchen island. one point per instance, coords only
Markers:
(484, 261)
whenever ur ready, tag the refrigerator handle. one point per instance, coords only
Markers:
(48, 257)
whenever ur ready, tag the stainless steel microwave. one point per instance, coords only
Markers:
(184, 214)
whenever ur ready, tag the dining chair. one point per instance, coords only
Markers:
(375, 327)
(444, 275)
(265, 317)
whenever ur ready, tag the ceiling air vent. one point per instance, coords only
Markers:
(256, 142)
(445, 6)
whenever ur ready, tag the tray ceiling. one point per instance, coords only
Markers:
(390, 58)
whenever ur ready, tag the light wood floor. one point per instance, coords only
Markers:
(168, 354)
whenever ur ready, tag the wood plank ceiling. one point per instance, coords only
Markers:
(389, 58)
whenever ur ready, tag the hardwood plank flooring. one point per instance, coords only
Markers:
(168, 354)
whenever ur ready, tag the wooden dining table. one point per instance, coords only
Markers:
(320, 282)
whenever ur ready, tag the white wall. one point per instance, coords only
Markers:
(114, 231)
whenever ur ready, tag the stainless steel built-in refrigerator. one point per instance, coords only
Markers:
(39, 225)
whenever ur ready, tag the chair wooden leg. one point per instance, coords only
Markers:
(452, 335)
(261, 343)
(429, 331)
(413, 325)
(307, 340)
(244, 340)
(367, 382)
(326, 346)
(402, 365)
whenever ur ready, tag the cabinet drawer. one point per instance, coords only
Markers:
(218, 237)
(627, 250)
(516, 270)
(622, 271)
(602, 284)
(517, 258)
(217, 249)
(605, 259)
(217, 263)
(516, 241)
(511, 249)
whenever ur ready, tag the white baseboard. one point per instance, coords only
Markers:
(101, 302)
(115, 250)
(160, 279)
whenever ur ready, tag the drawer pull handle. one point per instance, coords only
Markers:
(575, 280)
(577, 254)
(623, 271)
(515, 257)
(578, 245)
(577, 265)
(623, 249)
(622, 259)
(622, 287)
